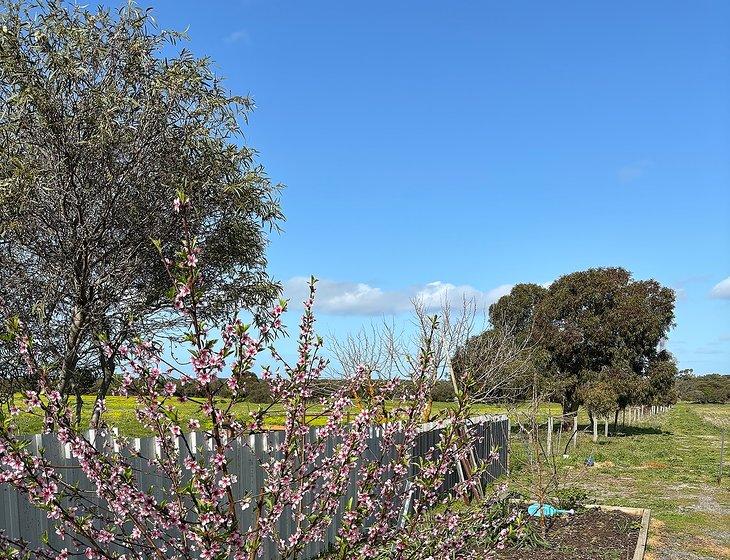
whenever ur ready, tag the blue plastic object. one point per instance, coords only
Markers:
(540, 510)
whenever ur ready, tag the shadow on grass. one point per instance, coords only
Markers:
(640, 431)
(622, 431)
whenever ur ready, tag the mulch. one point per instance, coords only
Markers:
(591, 535)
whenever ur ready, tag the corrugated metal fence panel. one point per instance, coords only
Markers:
(19, 519)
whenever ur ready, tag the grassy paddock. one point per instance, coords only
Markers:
(668, 463)
(120, 414)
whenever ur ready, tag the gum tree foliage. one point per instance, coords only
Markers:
(661, 378)
(599, 398)
(518, 310)
(100, 123)
(590, 323)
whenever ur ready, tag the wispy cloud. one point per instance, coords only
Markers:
(238, 36)
(680, 286)
(721, 289)
(633, 171)
(717, 345)
(359, 298)
(709, 350)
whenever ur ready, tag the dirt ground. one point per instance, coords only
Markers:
(591, 535)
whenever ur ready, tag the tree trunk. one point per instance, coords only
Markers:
(615, 422)
(570, 405)
(570, 401)
(71, 354)
(107, 374)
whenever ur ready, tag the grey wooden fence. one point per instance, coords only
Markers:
(19, 519)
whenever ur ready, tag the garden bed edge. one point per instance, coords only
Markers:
(645, 514)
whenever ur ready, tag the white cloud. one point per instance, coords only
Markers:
(633, 171)
(358, 298)
(239, 36)
(435, 294)
(721, 290)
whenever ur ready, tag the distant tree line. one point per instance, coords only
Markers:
(711, 388)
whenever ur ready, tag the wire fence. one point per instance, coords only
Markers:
(563, 429)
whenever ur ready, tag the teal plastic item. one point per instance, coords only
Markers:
(537, 510)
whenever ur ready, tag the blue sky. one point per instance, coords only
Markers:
(467, 146)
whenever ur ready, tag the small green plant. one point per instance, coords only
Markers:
(572, 497)
(627, 524)
(512, 526)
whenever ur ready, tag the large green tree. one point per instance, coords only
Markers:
(518, 310)
(590, 322)
(100, 124)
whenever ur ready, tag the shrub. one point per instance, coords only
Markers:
(443, 391)
(572, 497)
(599, 399)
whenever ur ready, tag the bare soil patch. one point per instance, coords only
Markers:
(591, 535)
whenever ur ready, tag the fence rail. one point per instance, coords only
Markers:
(19, 519)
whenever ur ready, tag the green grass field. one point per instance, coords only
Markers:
(120, 414)
(668, 463)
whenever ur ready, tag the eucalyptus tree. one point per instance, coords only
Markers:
(103, 119)
(594, 325)
(601, 317)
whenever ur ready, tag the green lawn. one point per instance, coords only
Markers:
(120, 414)
(668, 463)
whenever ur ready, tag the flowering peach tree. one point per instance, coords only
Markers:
(399, 507)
